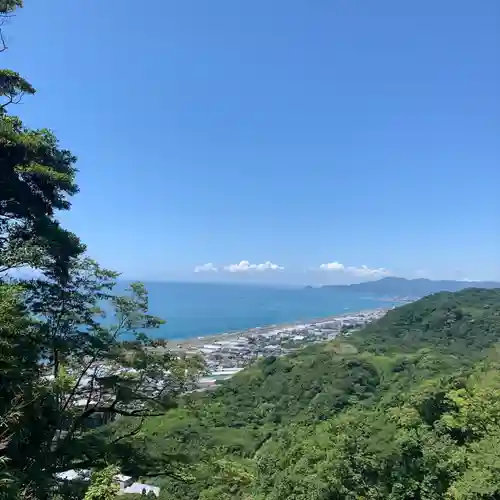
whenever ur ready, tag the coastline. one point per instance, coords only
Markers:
(196, 342)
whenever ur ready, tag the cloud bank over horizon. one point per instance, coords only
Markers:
(242, 267)
(245, 266)
(333, 272)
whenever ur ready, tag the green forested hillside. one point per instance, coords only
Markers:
(461, 323)
(408, 408)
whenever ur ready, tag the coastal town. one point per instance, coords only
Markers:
(227, 354)
(224, 355)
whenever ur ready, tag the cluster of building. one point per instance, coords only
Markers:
(126, 484)
(89, 394)
(225, 356)
(230, 353)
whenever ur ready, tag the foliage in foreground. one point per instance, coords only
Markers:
(64, 366)
(408, 408)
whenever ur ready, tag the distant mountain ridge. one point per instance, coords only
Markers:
(402, 287)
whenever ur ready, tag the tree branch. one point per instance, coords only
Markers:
(133, 413)
(132, 433)
(87, 367)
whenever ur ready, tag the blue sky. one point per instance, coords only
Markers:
(357, 133)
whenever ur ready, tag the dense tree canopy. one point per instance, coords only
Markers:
(66, 371)
(406, 408)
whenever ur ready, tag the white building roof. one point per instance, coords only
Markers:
(226, 371)
(139, 488)
(122, 478)
(207, 380)
(72, 474)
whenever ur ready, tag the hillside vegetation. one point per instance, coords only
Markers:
(64, 369)
(408, 408)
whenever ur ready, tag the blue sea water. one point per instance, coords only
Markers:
(198, 309)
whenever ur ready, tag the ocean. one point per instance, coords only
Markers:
(199, 309)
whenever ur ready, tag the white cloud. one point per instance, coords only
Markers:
(268, 266)
(205, 268)
(332, 266)
(245, 266)
(362, 272)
